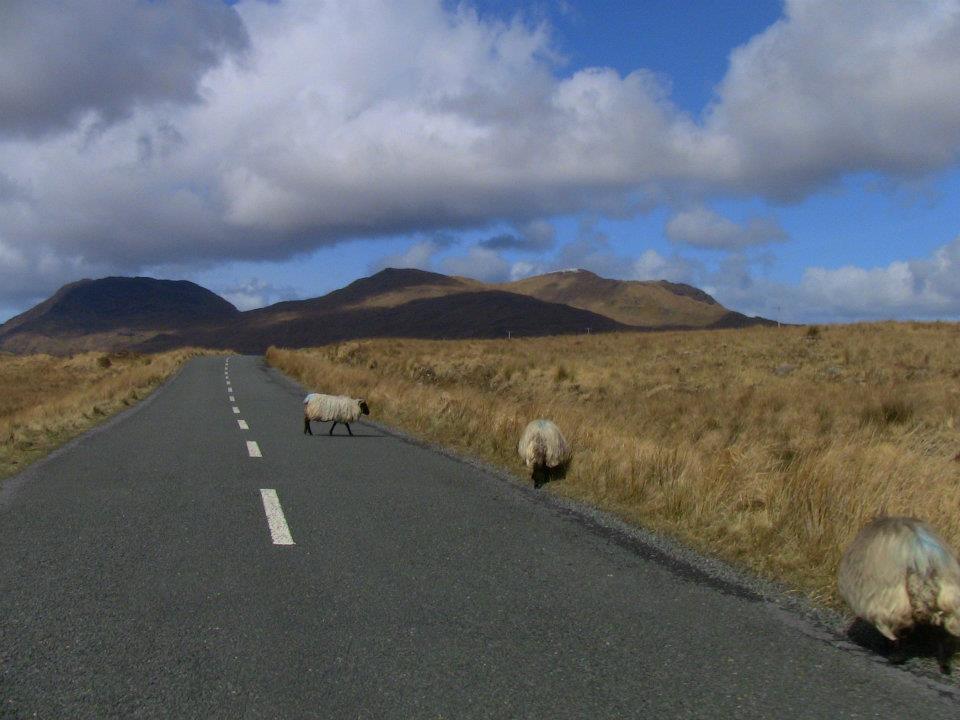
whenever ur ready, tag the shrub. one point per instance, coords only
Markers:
(890, 411)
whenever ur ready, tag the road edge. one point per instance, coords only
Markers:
(818, 622)
(9, 487)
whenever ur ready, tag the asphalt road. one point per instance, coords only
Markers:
(140, 578)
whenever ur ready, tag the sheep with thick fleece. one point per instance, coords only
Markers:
(338, 408)
(899, 572)
(544, 449)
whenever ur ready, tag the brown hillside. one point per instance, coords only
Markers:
(632, 302)
(391, 287)
(148, 314)
(485, 314)
(112, 312)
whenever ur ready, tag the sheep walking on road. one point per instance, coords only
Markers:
(544, 449)
(899, 572)
(338, 408)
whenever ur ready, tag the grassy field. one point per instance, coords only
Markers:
(45, 400)
(769, 447)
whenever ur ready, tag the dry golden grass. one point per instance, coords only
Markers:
(769, 447)
(45, 400)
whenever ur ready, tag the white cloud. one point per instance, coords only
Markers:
(924, 288)
(334, 125)
(842, 87)
(523, 268)
(63, 59)
(419, 255)
(533, 236)
(651, 265)
(919, 289)
(539, 234)
(703, 228)
(29, 273)
(255, 293)
(479, 263)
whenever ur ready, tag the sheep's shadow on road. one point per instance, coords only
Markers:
(324, 431)
(924, 641)
(542, 476)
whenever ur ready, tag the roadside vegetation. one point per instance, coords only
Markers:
(45, 400)
(769, 447)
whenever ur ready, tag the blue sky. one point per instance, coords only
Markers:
(685, 42)
(794, 159)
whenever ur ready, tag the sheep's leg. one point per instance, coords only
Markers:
(898, 655)
(348, 429)
(332, 426)
(539, 475)
(306, 426)
(944, 654)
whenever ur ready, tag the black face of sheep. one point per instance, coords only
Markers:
(364, 410)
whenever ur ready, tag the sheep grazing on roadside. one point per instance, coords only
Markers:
(898, 573)
(544, 449)
(338, 408)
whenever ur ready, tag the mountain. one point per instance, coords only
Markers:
(149, 315)
(632, 302)
(90, 314)
(459, 315)
(388, 288)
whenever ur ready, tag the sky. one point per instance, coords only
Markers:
(798, 160)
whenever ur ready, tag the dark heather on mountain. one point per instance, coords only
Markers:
(150, 315)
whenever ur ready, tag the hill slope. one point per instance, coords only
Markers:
(388, 288)
(88, 313)
(482, 314)
(148, 314)
(632, 302)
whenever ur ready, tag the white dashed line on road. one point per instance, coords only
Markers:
(278, 524)
(279, 530)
